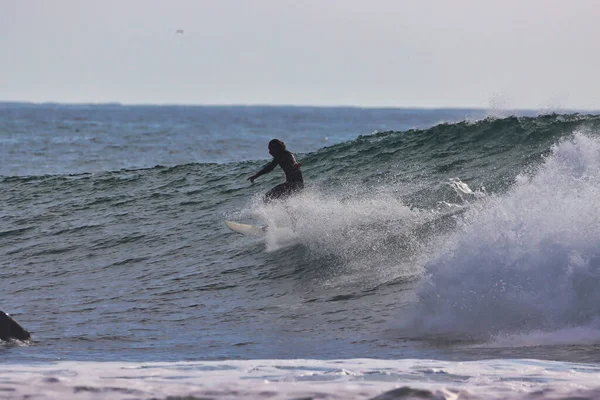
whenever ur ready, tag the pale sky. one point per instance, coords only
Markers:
(392, 53)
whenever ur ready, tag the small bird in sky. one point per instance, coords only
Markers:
(179, 31)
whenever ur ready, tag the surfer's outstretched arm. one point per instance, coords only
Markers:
(266, 169)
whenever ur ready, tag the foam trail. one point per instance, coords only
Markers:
(566, 336)
(366, 235)
(525, 261)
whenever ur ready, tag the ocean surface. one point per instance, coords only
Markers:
(435, 254)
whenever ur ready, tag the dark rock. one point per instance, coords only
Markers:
(407, 393)
(10, 329)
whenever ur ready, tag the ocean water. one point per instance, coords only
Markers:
(433, 253)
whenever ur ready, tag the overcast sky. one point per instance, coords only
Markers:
(398, 53)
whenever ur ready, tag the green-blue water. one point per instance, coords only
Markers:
(421, 234)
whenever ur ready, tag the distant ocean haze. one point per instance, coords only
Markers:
(71, 139)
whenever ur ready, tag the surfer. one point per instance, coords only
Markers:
(293, 176)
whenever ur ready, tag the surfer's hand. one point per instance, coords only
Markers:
(252, 178)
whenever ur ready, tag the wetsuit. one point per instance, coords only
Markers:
(293, 176)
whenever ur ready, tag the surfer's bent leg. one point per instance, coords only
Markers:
(276, 193)
(283, 190)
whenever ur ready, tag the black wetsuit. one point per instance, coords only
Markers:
(293, 176)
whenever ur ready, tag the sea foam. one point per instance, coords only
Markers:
(524, 261)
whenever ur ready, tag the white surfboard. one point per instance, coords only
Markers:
(246, 229)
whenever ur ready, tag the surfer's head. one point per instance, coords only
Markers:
(276, 147)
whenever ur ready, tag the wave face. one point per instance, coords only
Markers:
(519, 255)
(453, 241)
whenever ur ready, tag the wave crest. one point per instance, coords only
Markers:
(525, 261)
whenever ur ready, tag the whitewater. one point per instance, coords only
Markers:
(433, 254)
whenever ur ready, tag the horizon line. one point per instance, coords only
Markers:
(266, 105)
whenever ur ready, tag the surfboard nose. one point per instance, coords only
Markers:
(246, 229)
